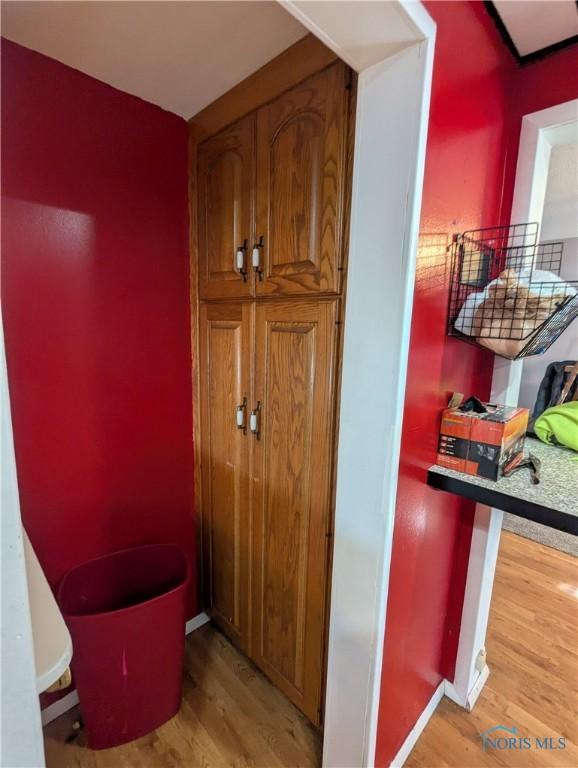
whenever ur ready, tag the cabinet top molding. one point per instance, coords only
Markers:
(297, 63)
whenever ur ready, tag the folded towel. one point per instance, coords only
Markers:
(514, 304)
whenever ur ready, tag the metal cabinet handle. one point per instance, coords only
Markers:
(256, 257)
(240, 415)
(255, 421)
(240, 260)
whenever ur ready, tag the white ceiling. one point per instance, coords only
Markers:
(534, 24)
(359, 26)
(178, 55)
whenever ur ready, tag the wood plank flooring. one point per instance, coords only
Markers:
(532, 650)
(231, 715)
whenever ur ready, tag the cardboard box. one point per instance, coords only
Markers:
(482, 444)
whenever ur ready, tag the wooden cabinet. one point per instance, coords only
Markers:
(225, 351)
(274, 457)
(294, 363)
(270, 193)
(300, 185)
(226, 176)
(274, 185)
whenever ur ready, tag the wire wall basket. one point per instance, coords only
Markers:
(506, 292)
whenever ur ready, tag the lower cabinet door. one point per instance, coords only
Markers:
(225, 364)
(292, 437)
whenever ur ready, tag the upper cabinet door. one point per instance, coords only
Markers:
(226, 181)
(300, 186)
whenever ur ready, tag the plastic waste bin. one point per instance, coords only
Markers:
(126, 616)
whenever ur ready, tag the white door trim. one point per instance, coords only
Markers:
(538, 135)
(390, 45)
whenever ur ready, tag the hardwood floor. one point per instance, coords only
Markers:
(231, 716)
(532, 650)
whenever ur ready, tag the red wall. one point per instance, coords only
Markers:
(544, 84)
(96, 313)
(551, 81)
(479, 95)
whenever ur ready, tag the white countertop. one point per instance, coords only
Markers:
(52, 643)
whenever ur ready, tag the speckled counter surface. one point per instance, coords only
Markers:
(554, 501)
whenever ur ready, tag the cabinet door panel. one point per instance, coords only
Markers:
(300, 185)
(225, 335)
(225, 197)
(294, 349)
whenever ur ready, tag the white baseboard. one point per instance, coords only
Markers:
(57, 708)
(196, 622)
(417, 729)
(473, 693)
(445, 688)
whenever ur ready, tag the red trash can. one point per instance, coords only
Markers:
(126, 616)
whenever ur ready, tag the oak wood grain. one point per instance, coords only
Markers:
(301, 141)
(305, 136)
(225, 218)
(342, 269)
(225, 349)
(291, 67)
(197, 501)
(291, 499)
